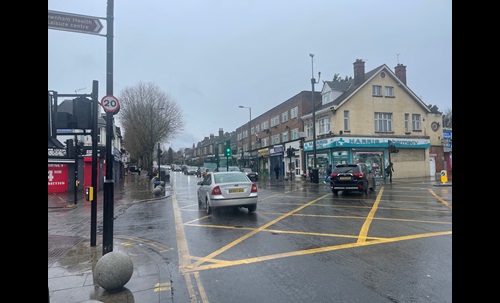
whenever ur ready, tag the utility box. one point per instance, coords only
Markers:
(315, 175)
(444, 176)
(89, 193)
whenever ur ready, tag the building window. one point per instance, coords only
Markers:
(264, 142)
(294, 112)
(324, 126)
(275, 139)
(415, 121)
(284, 117)
(309, 130)
(389, 91)
(383, 122)
(273, 121)
(284, 137)
(276, 120)
(257, 128)
(407, 123)
(377, 90)
(264, 125)
(346, 120)
(295, 134)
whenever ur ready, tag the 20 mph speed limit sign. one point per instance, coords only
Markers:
(110, 104)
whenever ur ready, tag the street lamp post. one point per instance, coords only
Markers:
(249, 130)
(313, 81)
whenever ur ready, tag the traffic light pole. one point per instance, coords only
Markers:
(159, 158)
(389, 148)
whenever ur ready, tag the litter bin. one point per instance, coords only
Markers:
(163, 176)
(315, 175)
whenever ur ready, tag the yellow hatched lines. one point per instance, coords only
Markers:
(189, 269)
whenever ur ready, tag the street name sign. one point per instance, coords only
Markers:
(74, 23)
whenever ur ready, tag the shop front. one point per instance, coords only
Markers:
(263, 161)
(373, 151)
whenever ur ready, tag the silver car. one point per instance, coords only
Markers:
(227, 189)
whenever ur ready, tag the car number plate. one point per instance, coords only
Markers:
(344, 178)
(236, 190)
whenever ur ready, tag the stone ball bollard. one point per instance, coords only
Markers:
(113, 270)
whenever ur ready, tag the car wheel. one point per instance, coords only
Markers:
(335, 192)
(252, 208)
(207, 206)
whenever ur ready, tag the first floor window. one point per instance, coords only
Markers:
(415, 121)
(383, 122)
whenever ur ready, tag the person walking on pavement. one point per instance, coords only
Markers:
(328, 173)
(277, 171)
(390, 169)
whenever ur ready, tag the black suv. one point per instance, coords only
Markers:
(350, 177)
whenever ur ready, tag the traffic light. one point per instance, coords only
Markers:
(394, 149)
(228, 148)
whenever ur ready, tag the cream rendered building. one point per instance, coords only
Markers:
(360, 118)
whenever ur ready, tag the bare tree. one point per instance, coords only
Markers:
(148, 116)
(447, 118)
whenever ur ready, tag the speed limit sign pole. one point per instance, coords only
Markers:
(111, 106)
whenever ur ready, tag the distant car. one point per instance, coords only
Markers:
(252, 175)
(190, 170)
(227, 189)
(350, 177)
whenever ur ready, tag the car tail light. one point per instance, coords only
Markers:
(216, 190)
(360, 175)
(254, 188)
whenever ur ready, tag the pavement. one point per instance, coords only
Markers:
(155, 277)
(72, 259)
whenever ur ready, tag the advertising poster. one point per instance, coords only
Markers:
(58, 178)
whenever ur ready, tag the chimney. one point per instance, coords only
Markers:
(400, 71)
(211, 136)
(359, 71)
(221, 132)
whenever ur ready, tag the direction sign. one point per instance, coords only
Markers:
(75, 23)
(110, 104)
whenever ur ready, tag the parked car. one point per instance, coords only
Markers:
(227, 189)
(252, 175)
(350, 177)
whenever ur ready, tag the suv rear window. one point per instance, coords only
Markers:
(346, 169)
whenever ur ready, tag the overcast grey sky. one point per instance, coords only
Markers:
(213, 55)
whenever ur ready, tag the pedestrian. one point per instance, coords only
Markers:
(310, 172)
(277, 171)
(139, 170)
(389, 170)
(328, 173)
